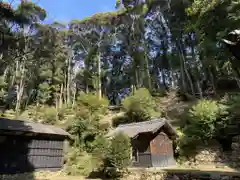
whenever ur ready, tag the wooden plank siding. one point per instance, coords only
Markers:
(161, 145)
(26, 154)
(162, 151)
(153, 150)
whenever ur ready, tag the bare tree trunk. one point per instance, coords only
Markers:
(74, 95)
(20, 73)
(57, 98)
(69, 79)
(212, 81)
(182, 74)
(146, 69)
(199, 89)
(194, 59)
(99, 83)
(185, 69)
(148, 78)
(87, 88)
(61, 96)
(171, 74)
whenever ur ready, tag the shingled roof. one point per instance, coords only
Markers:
(26, 126)
(152, 126)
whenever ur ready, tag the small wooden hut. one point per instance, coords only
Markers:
(27, 146)
(151, 142)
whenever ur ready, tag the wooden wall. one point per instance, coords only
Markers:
(26, 154)
(153, 150)
(161, 145)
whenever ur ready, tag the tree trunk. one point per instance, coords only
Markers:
(146, 69)
(74, 95)
(69, 79)
(20, 73)
(61, 96)
(87, 88)
(99, 83)
(185, 69)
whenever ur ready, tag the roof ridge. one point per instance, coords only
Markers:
(153, 120)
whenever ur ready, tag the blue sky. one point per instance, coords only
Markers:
(66, 10)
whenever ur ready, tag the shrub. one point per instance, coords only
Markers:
(184, 146)
(119, 152)
(140, 106)
(80, 163)
(233, 103)
(205, 119)
(48, 115)
(93, 103)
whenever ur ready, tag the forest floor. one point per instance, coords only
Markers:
(201, 170)
(62, 176)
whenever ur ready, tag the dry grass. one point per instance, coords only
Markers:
(174, 109)
(41, 176)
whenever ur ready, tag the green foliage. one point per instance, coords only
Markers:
(90, 144)
(93, 103)
(86, 127)
(48, 115)
(140, 106)
(233, 103)
(119, 152)
(205, 119)
(99, 146)
(44, 93)
(79, 163)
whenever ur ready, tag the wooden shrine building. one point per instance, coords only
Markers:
(27, 146)
(151, 142)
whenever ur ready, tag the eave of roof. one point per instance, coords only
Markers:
(27, 126)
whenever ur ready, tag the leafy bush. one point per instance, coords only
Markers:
(184, 146)
(97, 145)
(119, 152)
(205, 119)
(93, 103)
(233, 103)
(140, 106)
(79, 163)
(47, 114)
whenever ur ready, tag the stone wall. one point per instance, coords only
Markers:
(145, 175)
(212, 154)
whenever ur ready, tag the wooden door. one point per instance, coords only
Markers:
(162, 151)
